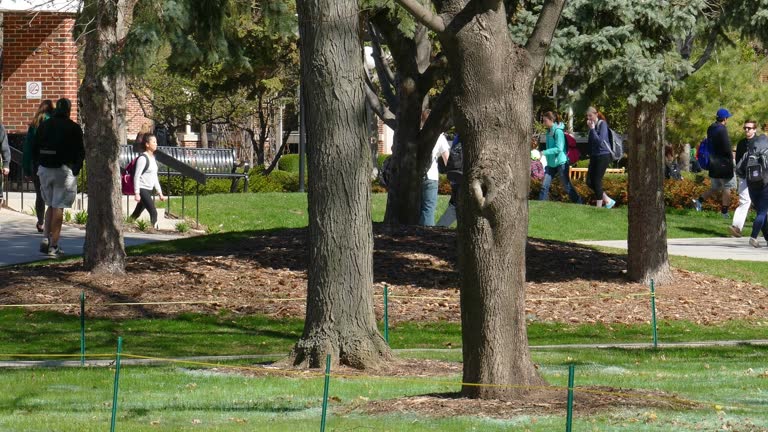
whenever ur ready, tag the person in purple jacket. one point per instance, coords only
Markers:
(600, 156)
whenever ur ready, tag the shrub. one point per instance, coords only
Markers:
(380, 160)
(175, 185)
(290, 163)
(677, 193)
(67, 216)
(142, 224)
(182, 227)
(81, 217)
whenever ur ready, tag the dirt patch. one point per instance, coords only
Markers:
(587, 400)
(266, 274)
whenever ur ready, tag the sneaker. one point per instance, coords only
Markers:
(754, 242)
(735, 231)
(697, 205)
(44, 246)
(55, 252)
(610, 204)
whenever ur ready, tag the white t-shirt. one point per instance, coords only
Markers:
(441, 146)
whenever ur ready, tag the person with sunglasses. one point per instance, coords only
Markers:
(740, 215)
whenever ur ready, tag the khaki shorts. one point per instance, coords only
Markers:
(723, 184)
(57, 186)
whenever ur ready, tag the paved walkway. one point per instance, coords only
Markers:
(737, 249)
(19, 239)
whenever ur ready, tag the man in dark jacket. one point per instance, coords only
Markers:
(58, 150)
(720, 163)
(5, 155)
(740, 215)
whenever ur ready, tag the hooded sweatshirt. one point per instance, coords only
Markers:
(556, 147)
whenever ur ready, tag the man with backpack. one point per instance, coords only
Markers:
(58, 150)
(740, 215)
(753, 166)
(720, 163)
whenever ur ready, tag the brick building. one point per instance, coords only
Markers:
(39, 59)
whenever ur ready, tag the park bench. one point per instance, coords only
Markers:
(212, 162)
(581, 173)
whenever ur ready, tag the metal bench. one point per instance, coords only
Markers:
(213, 163)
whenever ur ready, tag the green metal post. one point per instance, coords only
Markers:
(386, 314)
(82, 328)
(325, 391)
(569, 416)
(117, 382)
(653, 316)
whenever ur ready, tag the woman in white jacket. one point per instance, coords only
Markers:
(147, 181)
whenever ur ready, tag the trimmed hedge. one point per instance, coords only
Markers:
(677, 193)
(290, 163)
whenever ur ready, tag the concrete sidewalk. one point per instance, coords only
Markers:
(725, 248)
(19, 239)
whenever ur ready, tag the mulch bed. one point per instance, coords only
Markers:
(266, 274)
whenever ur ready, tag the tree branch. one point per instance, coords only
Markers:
(438, 121)
(424, 15)
(427, 79)
(711, 42)
(541, 38)
(379, 108)
(383, 71)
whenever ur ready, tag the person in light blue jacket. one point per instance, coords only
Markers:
(557, 158)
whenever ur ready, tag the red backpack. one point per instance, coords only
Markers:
(572, 149)
(127, 173)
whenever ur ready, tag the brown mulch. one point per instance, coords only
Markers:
(266, 274)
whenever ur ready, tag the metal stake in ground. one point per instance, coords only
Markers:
(325, 391)
(653, 316)
(386, 314)
(569, 416)
(117, 382)
(82, 328)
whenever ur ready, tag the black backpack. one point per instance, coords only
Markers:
(455, 157)
(754, 164)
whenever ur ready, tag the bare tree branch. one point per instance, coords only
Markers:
(424, 15)
(379, 108)
(541, 38)
(438, 121)
(383, 71)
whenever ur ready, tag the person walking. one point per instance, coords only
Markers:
(5, 154)
(600, 156)
(432, 178)
(740, 215)
(43, 113)
(454, 170)
(757, 184)
(720, 164)
(557, 158)
(147, 181)
(58, 150)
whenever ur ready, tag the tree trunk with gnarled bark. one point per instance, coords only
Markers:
(102, 95)
(647, 233)
(492, 81)
(340, 317)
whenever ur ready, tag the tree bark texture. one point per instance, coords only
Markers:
(412, 145)
(492, 79)
(102, 95)
(647, 236)
(340, 317)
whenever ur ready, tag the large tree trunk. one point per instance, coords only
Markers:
(103, 103)
(647, 237)
(340, 318)
(493, 84)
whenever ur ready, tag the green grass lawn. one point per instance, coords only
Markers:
(727, 383)
(39, 332)
(548, 220)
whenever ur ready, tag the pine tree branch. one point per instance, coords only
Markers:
(377, 106)
(424, 15)
(383, 71)
(541, 38)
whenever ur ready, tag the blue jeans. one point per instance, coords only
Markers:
(759, 197)
(562, 171)
(428, 202)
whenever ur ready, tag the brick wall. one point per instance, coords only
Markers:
(134, 117)
(37, 47)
